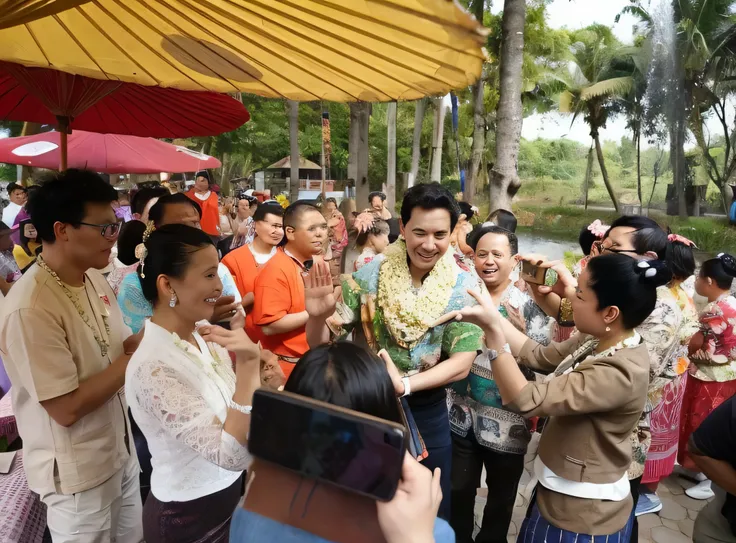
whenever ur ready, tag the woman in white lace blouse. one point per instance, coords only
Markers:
(182, 391)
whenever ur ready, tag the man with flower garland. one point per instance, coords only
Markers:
(398, 299)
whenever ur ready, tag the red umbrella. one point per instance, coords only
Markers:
(76, 102)
(107, 153)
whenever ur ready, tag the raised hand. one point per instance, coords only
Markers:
(235, 341)
(410, 516)
(319, 293)
(238, 320)
(485, 314)
(566, 283)
(225, 308)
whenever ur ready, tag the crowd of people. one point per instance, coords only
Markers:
(133, 388)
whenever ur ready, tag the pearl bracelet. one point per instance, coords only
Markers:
(245, 409)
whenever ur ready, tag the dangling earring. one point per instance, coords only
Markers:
(608, 328)
(173, 300)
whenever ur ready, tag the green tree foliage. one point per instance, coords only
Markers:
(558, 159)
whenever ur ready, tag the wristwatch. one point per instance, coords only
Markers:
(492, 354)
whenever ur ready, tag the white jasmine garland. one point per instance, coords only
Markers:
(409, 312)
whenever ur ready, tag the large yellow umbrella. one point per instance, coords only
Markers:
(340, 50)
(15, 12)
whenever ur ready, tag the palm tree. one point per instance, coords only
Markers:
(479, 121)
(440, 109)
(708, 45)
(633, 104)
(703, 71)
(595, 84)
(360, 114)
(504, 178)
(421, 108)
(292, 110)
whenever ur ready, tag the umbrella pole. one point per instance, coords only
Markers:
(63, 134)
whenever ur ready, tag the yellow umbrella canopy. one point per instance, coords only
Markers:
(371, 50)
(15, 12)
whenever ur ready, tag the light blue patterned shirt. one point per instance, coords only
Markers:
(136, 309)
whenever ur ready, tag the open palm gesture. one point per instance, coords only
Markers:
(318, 290)
(484, 314)
(235, 341)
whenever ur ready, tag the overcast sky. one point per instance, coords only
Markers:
(575, 14)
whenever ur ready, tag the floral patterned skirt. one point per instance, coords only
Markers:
(664, 425)
(701, 398)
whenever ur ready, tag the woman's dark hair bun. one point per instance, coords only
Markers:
(168, 251)
(653, 272)
(729, 263)
(629, 284)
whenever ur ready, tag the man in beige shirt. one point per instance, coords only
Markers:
(66, 348)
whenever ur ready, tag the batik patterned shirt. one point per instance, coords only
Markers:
(476, 401)
(397, 316)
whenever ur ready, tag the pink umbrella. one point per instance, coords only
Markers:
(106, 153)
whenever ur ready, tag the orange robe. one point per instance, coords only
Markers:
(244, 269)
(279, 291)
(210, 212)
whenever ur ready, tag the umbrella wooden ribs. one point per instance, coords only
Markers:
(73, 102)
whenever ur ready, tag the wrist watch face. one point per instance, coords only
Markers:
(493, 353)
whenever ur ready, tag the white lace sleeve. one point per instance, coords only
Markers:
(184, 414)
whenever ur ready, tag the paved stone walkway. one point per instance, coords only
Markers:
(673, 524)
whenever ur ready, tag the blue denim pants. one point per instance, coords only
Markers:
(433, 423)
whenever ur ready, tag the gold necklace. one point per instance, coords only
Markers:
(103, 343)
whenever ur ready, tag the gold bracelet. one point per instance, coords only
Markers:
(566, 315)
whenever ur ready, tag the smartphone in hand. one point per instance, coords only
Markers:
(317, 440)
(533, 274)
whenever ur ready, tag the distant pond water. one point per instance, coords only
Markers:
(554, 249)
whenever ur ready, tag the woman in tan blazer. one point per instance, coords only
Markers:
(594, 395)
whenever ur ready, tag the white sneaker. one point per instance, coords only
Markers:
(701, 491)
(698, 477)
